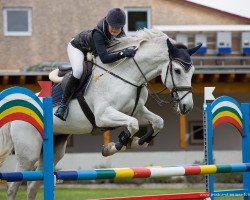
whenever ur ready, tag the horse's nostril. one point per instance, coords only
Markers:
(184, 109)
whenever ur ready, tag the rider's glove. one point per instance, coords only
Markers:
(127, 53)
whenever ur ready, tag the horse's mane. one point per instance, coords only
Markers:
(135, 40)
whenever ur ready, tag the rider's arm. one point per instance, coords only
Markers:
(101, 49)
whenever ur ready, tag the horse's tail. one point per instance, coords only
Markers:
(6, 144)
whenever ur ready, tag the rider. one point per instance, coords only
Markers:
(94, 41)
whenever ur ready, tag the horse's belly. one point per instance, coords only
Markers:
(76, 123)
(69, 129)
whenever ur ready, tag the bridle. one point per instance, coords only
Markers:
(175, 89)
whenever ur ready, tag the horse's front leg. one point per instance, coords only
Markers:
(155, 122)
(113, 118)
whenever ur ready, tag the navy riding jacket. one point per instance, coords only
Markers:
(96, 42)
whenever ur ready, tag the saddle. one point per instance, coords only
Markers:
(65, 71)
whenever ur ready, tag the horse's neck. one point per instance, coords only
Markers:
(151, 56)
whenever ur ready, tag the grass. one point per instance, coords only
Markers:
(84, 194)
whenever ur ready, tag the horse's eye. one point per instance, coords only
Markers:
(177, 71)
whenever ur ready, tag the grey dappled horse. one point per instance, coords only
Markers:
(112, 100)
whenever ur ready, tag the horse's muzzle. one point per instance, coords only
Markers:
(185, 109)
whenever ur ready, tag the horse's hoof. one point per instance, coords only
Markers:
(109, 149)
(135, 144)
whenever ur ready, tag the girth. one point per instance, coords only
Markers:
(90, 115)
(138, 93)
(86, 109)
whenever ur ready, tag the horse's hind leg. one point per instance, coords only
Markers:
(25, 165)
(13, 187)
(27, 144)
(155, 122)
(60, 142)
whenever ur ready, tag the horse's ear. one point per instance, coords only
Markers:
(193, 50)
(171, 48)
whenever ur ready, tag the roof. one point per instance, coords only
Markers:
(239, 7)
(203, 28)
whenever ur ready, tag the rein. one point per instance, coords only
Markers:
(108, 71)
(175, 89)
(113, 74)
(152, 93)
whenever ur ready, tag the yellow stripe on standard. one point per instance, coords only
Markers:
(208, 169)
(124, 173)
(227, 114)
(21, 109)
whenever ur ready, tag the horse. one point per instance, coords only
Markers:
(113, 97)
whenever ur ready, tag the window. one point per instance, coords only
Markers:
(196, 132)
(17, 21)
(137, 18)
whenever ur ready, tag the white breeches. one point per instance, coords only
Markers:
(76, 58)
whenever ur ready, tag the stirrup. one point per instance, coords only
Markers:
(62, 112)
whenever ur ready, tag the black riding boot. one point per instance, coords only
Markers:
(62, 111)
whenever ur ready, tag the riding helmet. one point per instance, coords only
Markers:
(116, 18)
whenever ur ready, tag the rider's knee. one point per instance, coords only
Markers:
(77, 72)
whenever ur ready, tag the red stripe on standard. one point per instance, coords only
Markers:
(228, 120)
(141, 172)
(23, 117)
